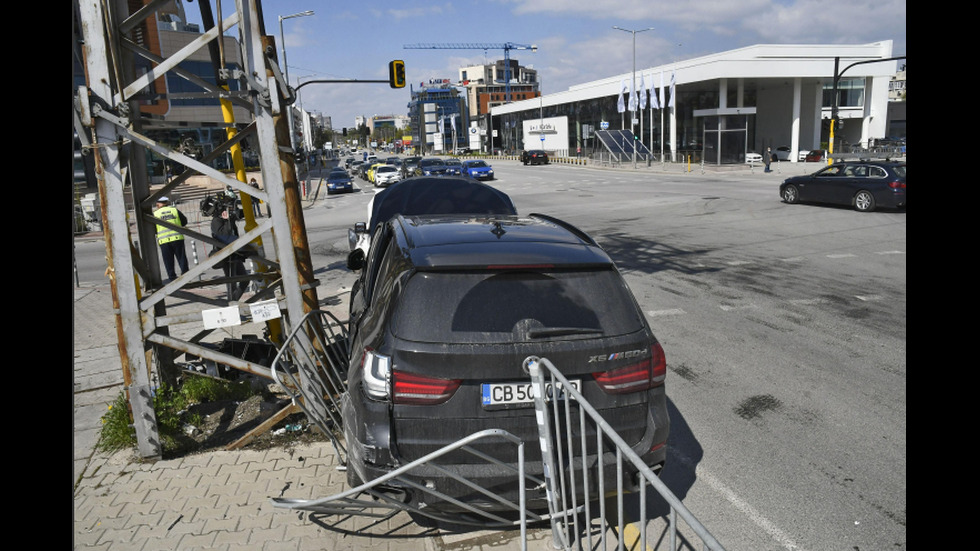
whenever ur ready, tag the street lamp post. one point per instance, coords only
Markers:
(633, 87)
(285, 67)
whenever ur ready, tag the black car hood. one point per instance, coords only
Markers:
(438, 195)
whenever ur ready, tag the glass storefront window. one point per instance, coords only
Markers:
(850, 92)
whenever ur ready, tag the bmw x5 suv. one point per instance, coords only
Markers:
(444, 313)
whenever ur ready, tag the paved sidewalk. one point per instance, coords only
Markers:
(216, 500)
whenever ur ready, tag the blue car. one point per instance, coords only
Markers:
(454, 167)
(338, 181)
(430, 166)
(478, 169)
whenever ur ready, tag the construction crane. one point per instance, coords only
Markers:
(505, 46)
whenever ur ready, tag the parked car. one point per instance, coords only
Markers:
(814, 156)
(477, 168)
(534, 157)
(454, 167)
(493, 291)
(385, 175)
(783, 153)
(338, 181)
(430, 166)
(753, 158)
(865, 185)
(426, 195)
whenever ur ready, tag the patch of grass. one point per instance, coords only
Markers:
(116, 430)
(170, 406)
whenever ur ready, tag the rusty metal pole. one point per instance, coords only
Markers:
(294, 202)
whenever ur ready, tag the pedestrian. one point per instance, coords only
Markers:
(256, 202)
(171, 241)
(767, 158)
(225, 230)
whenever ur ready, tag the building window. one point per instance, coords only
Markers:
(177, 85)
(850, 93)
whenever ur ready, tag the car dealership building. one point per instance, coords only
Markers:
(715, 108)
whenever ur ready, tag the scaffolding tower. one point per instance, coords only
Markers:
(121, 67)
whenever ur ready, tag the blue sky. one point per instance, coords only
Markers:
(575, 38)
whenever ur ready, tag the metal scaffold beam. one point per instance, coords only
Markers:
(122, 68)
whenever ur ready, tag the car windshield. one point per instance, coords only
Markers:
(453, 306)
(386, 168)
(476, 164)
(431, 162)
(900, 170)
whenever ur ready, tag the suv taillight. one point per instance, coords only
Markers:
(376, 367)
(644, 375)
(419, 390)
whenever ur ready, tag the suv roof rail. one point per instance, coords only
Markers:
(559, 222)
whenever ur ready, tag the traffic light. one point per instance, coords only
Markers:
(345, 131)
(396, 74)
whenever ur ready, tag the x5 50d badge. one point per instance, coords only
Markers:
(617, 356)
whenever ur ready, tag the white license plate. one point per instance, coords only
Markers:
(500, 394)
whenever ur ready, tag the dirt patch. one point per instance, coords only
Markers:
(219, 424)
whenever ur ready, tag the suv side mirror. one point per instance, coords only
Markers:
(355, 260)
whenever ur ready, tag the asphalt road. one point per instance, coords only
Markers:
(785, 333)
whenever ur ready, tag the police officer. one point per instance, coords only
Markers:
(171, 241)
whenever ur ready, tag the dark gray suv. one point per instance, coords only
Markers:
(446, 310)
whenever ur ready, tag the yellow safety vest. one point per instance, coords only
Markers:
(165, 234)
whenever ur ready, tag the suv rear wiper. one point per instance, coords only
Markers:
(561, 331)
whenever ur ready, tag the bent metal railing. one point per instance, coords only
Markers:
(311, 366)
(386, 494)
(567, 486)
(317, 352)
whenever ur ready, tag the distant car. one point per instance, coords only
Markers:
(534, 157)
(408, 166)
(454, 167)
(814, 156)
(802, 155)
(362, 170)
(385, 175)
(864, 185)
(478, 169)
(430, 166)
(753, 158)
(371, 170)
(783, 153)
(338, 181)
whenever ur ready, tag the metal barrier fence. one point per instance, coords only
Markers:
(312, 366)
(388, 494)
(570, 488)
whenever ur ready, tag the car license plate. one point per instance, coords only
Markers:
(502, 394)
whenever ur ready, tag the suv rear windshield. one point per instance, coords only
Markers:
(514, 306)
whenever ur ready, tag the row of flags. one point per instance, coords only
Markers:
(639, 98)
(442, 124)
